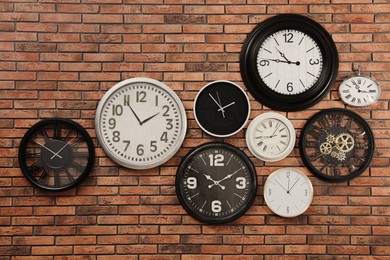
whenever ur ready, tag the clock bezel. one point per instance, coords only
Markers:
(353, 104)
(195, 104)
(166, 156)
(187, 159)
(252, 127)
(29, 134)
(269, 178)
(256, 86)
(306, 160)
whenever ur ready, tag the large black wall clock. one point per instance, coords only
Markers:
(216, 183)
(289, 62)
(56, 154)
(221, 108)
(337, 145)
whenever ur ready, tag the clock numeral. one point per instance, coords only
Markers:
(288, 210)
(169, 124)
(117, 110)
(153, 146)
(269, 192)
(164, 137)
(141, 97)
(127, 142)
(156, 101)
(241, 183)
(324, 122)
(166, 108)
(315, 131)
(264, 63)
(288, 37)
(288, 175)
(116, 136)
(140, 150)
(192, 183)
(306, 193)
(311, 144)
(314, 62)
(112, 123)
(216, 159)
(126, 100)
(290, 87)
(216, 206)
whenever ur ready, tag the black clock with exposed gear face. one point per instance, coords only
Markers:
(289, 62)
(216, 183)
(337, 145)
(56, 154)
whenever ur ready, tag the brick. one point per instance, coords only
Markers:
(353, 250)
(52, 18)
(102, 18)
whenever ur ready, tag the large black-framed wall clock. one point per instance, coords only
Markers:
(56, 154)
(216, 183)
(337, 145)
(221, 108)
(140, 123)
(289, 62)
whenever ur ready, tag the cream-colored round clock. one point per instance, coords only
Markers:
(270, 137)
(288, 192)
(140, 123)
(359, 91)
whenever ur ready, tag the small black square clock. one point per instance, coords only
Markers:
(221, 108)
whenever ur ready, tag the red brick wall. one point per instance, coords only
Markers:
(58, 58)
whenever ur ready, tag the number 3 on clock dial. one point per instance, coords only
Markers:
(140, 123)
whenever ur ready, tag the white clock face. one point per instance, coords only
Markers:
(289, 62)
(288, 192)
(140, 123)
(359, 91)
(270, 137)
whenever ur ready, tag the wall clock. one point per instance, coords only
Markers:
(140, 123)
(56, 154)
(336, 145)
(221, 108)
(270, 137)
(216, 183)
(288, 192)
(289, 62)
(359, 91)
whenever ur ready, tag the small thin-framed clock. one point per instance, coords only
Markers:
(337, 145)
(270, 137)
(289, 62)
(140, 123)
(288, 192)
(221, 108)
(216, 183)
(56, 154)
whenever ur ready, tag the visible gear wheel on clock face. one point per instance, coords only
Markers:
(330, 138)
(345, 142)
(326, 148)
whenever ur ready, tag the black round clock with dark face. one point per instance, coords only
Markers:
(56, 154)
(289, 62)
(337, 145)
(221, 108)
(216, 183)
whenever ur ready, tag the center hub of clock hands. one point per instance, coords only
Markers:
(219, 104)
(208, 177)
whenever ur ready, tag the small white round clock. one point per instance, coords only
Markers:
(288, 192)
(270, 137)
(359, 91)
(140, 123)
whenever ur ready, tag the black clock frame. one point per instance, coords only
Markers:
(306, 160)
(22, 153)
(190, 156)
(257, 87)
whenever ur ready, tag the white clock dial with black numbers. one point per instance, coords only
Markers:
(140, 123)
(270, 137)
(359, 91)
(289, 62)
(288, 192)
(216, 183)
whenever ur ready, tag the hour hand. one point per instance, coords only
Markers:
(219, 105)
(147, 119)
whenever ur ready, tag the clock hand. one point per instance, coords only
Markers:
(288, 61)
(228, 105)
(63, 147)
(229, 175)
(220, 104)
(147, 119)
(215, 101)
(282, 61)
(139, 121)
(49, 150)
(293, 185)
(288, 185)
(282, 186)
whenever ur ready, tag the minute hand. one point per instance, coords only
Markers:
(229, 175)
(282, 61)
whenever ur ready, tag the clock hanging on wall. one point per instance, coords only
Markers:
(221, 108)
(337, 145)
(56, 154)
(216, 183)
(289, 62)
(140, 123)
